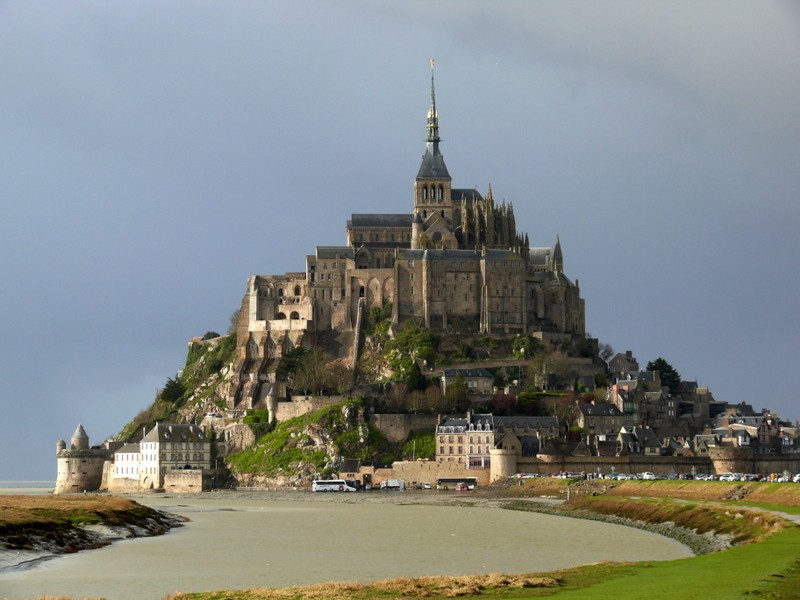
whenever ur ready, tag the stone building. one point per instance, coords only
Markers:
(602, 418)
(476, 381)
(455, 261)
(168, 450)
(465, 440)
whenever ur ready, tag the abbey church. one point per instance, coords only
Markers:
(456, 262)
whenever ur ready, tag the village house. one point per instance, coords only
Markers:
(602, 419)
(477, 381)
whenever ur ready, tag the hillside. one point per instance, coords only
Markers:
(397, 372)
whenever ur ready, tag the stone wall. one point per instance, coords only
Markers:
(744, 460)
(660, 465)
(301, 405)
(397, 428)
(123, 485)
(184, 481)
(422, 471)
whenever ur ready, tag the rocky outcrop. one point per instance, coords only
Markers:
(300, 449)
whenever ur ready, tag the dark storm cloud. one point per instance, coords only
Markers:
(156, 154)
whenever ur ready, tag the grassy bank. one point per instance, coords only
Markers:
(57, 523)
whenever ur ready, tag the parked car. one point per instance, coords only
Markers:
(648, 475)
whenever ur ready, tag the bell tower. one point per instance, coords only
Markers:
(433, 184)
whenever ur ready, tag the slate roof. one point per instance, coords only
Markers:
(440, 254)
(128, 449)
(432, 166)
(380, 220)
(520, 422)
(174, 432)
(332, 252)
(465, 194)
(539, 256)
(467, 373)
(603, 409)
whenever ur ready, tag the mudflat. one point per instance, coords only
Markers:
(274, 539)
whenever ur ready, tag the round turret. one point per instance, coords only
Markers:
(61, 445)
(80, 440)
(272, 404)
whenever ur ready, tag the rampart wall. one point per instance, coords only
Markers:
(301, 405)
(184, 481)
(397, 428)
(422, 471)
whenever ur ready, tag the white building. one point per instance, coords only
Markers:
(165, 448)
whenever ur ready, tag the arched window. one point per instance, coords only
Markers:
(294, 315)
(361, 292)
(280, 292)
(280, 315)
(297, 290)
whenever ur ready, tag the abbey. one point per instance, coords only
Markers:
(455, 262)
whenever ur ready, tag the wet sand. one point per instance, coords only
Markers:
(276, 539)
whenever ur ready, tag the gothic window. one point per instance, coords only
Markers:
(297, 290)
(280, 292)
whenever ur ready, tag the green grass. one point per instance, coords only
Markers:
(768, 569)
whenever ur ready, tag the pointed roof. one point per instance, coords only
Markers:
(432, 166)
(80, 433)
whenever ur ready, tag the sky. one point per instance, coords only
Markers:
(154, 155)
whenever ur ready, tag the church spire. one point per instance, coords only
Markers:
(433, 166)
(433, 117)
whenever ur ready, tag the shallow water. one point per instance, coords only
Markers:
(236, 541)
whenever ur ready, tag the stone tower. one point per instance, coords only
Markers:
(80, 468)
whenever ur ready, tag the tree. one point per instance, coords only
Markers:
(565, 409)
(668, 374)
(605, 352)
(415, 380)
(504, 405)
(312, 371)
(456, 395)
(173, 390)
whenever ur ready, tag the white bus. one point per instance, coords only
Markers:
(332, 485)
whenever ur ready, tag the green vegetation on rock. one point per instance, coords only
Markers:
(312, 444)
